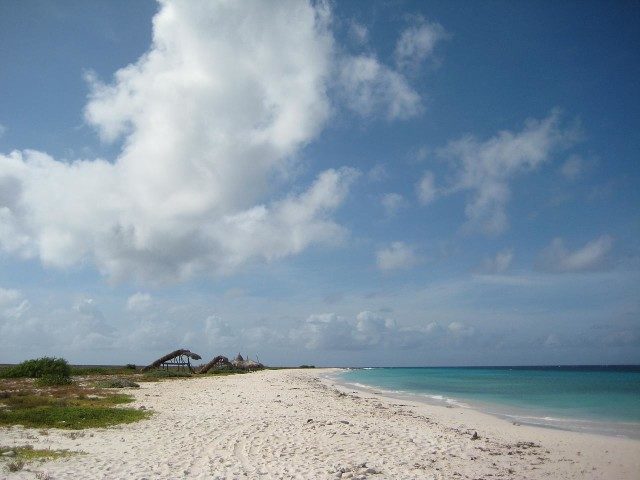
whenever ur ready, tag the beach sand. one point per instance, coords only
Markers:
(296, 424)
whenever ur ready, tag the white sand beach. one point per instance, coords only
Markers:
(294, 424)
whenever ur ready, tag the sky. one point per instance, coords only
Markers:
(384, 183)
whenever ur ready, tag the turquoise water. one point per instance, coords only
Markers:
(602, 399)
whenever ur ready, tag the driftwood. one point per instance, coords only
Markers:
(216, 362)
(172, 355)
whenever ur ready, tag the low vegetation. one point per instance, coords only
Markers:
(117, 383)
(53, 380)
(38, 368)
(27, 453)
(83, 371)
(17, 457)
(40, 394)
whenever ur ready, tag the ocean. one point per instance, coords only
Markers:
(597, 399)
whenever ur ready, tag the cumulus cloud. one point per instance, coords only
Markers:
(396, 256)
(485, 167)
(593, 256)
(498, 264)
(369, 88)
(392, 203)
(372, 330)
(210, 118)
(218, 332)
(426, 188)
(417, 42)
(329, 331)
(139, 302)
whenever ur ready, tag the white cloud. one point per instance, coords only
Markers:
(8, 297)
(392, 203)
(371, 88)
(417, 42)
(372, 330)
(329, 331)
(358, 32)
(426, 188)
(460, 330)
(326, 331)
(398, 255)
(139, 302)
(12, 304)
(573, 167)
(211, 118)
(498, 264)
(377, 173)
(591, 257)
(218, 332)
(485, 167)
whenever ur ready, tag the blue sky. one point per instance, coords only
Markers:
(348, 183)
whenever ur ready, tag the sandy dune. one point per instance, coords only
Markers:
(292, 424)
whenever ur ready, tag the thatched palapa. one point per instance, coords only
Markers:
(246, 364)
(218, 361)
(173, 358)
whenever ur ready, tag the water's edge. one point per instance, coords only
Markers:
(531, 418)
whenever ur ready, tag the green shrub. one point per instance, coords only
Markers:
(52, 380)
(130, 366)
(117, 383)
(39, 367)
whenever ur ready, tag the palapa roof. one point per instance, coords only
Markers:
(216, 362)
(169, 356)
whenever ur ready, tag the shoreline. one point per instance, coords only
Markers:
(296, 424)
(527, 417)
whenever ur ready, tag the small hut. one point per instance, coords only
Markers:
(178, 358)
(247, 364)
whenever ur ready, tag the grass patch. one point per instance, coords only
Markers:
(27, 453)
(52, 380)
(67, 407)
(71, 418)
(89, 371)
(117, 383)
